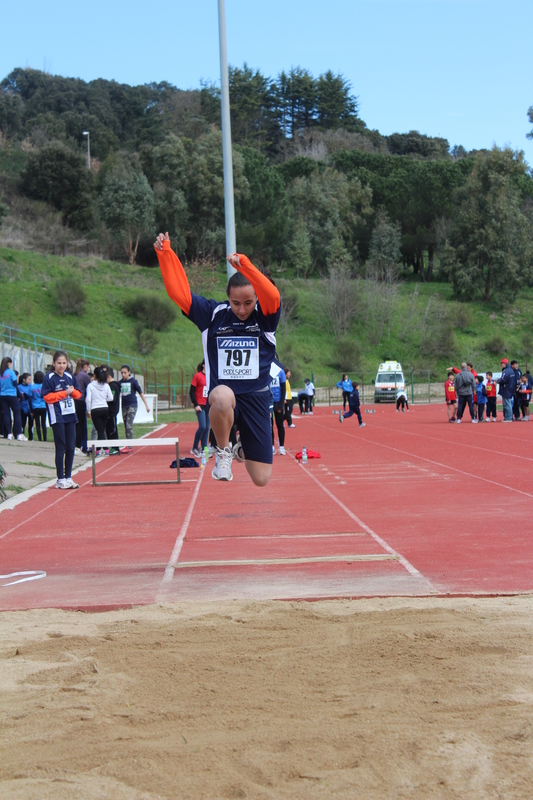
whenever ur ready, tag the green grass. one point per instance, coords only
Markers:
(14, 489)
(27, 302)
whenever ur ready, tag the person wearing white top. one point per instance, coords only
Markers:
(97, 396)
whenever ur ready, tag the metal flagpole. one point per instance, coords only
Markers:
(229, 207)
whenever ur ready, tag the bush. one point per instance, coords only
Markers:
(346, 355)
(289, 303)
(145, 338)
(70, 296)
(462, 316)
(495, 346)
(151, 311)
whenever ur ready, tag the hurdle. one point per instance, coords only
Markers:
(100, 443)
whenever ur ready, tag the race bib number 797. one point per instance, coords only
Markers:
(238, 358)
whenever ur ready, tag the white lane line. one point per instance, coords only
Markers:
(252, 562)
(23, 577)
(169, 571)
(388, 549)
(437, 463)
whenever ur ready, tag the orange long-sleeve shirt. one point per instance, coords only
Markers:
(179, 291)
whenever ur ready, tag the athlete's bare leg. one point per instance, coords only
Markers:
(259, 473)
(221, 413)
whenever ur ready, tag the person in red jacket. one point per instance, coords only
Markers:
(491, 387)
(451, 397)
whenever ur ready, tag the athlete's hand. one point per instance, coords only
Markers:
(234, 260)
(158, 244)
(197, 409)
(69, 389)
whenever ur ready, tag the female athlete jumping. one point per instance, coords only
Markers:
(239, 341)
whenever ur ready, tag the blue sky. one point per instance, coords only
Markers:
(452, 68)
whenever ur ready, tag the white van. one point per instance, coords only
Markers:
(388, 380)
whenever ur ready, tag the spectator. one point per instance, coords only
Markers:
(113, 406)
(198, 393)
(10, 401)
(465, 385)
(59, 392)
(516, 400)
(481, 393)
(451, 397)
(355, 407)
(97, 397)
(491, 398)
(278, 381)
(524, 390)
(24, 389)
(289, 402)
(401, 400)
(507, 389)
(305, 398)
(346, 385)
(39, 406)
(129, 387)
(83, 379)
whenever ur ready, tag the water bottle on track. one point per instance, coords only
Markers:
(304, 455)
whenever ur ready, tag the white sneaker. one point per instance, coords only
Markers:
(222, 468)
(62, 483)
(238, 453)
(281, 450)
(362, 425)
(341, 418)
(195, 452)
(292, 426)
(21, 438)
(457, 422)
(78, 451)
(273, 450)
(71, 484)
(10, 436)
(210, 451)
(474, 421)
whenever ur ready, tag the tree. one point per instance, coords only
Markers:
(488, 250)
(384, 255)
(60, 177)
(335, 106)
(127, 206)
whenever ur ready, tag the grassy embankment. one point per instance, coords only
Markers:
(27, 300)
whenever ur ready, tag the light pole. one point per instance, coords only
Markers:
(229, 206)
(86, 133)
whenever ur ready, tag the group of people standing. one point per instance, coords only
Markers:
(21, 403)
(465, 387)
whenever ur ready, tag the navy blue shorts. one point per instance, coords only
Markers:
(252, 417)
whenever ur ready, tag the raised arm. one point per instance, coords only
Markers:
(267, 294)
(174, 276)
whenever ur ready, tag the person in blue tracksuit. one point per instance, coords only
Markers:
(278, 387)
(355, 407)
(26, 415)
(59, 390)
(10, 402)
(481, 396)
(347, 389)
(38, 406)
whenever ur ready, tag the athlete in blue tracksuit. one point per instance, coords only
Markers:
(38, 406)
(347, 389)
(278, 387)
(355, 407)
(59, 390)
(9, 400)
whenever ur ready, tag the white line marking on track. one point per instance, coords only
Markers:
(403, 561)
(331, 535)
(30, 575)
(169, 571)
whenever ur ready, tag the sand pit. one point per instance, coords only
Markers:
(346, 699)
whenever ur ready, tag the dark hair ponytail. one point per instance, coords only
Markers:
(236, 281)
(100, 373)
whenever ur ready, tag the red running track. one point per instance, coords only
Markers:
(409, 505)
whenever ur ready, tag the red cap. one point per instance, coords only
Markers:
(504, 361)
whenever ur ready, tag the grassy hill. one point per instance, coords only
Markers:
(428, 330)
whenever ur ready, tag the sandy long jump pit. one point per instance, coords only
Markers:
(392, 698)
